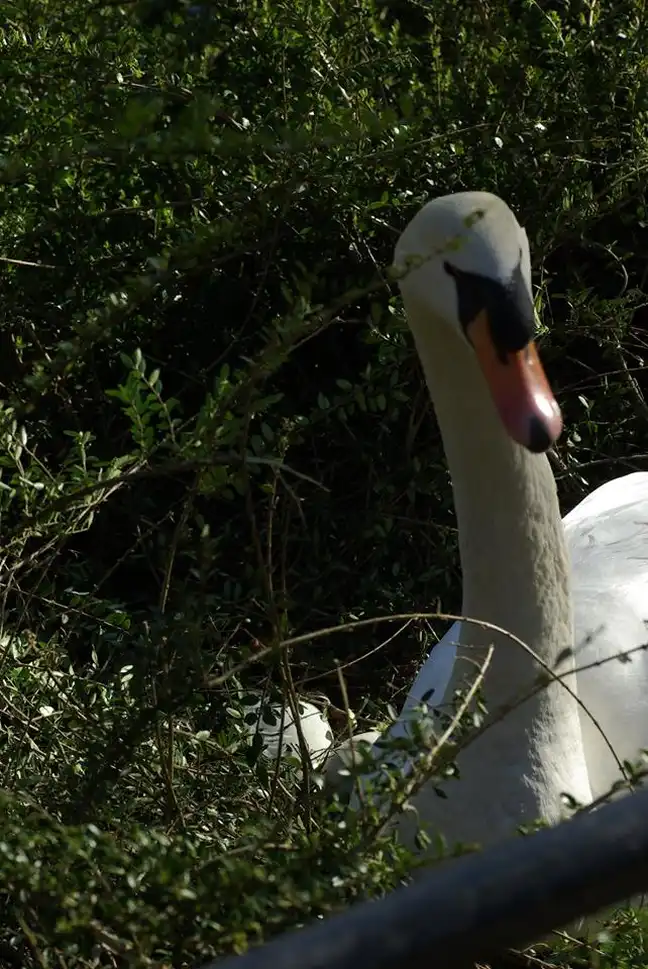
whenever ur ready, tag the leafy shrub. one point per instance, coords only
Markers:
(214, 437)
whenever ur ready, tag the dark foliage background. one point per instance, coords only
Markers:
(214, 434)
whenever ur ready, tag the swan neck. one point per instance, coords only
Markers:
(516, 577)
(511, 539)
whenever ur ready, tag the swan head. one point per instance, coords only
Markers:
(463, 263)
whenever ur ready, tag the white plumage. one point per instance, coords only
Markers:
(275, 724)
(576, 592)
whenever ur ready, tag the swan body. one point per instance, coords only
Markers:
(607, 538)
(575, 591)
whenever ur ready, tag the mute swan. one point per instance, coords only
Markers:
(465, 278)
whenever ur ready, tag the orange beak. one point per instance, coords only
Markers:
(519, 388)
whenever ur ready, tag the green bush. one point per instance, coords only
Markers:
(214, 436)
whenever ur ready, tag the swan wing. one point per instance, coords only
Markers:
(607, 538)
